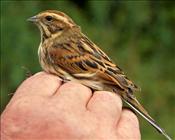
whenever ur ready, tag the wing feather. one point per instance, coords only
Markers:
(83, 59)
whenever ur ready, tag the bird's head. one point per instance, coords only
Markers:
(52, 22)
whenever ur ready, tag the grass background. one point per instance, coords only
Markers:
(138, 36)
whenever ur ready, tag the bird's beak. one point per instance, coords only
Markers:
(33, 19)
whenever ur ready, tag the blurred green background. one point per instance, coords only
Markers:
(138, 36)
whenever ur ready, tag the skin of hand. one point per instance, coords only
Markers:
(43, 108)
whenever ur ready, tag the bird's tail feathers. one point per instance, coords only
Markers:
(136, 106)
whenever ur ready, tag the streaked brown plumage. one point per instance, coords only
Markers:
(66, 52)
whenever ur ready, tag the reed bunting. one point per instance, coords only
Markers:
(66, 52)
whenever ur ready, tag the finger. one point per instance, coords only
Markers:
(41, 83)
(106, 105)
(128, 126)
(74, 94)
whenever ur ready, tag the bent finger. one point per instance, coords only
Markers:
(106, 105)
(128, 126)
(41, 83)
(74, 94)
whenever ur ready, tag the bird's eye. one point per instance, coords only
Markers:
(49, 18)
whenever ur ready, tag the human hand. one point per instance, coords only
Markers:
(43, 109)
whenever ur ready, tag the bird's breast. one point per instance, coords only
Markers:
(44, 59)
(49, 66)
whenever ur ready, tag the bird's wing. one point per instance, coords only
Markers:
(83, 59)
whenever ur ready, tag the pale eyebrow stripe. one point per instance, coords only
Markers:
(65, 19)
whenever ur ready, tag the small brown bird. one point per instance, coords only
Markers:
(66, 52)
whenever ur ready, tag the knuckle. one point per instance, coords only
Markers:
(131, 116)
(109, 96)
(73, 87)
